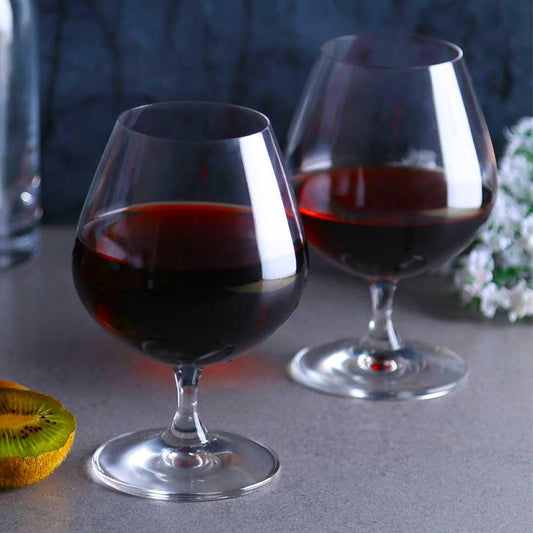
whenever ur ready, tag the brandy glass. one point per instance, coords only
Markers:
(189, 248)
(394, 173)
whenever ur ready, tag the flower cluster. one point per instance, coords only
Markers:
(496, 272)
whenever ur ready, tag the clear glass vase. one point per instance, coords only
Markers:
(20, 209)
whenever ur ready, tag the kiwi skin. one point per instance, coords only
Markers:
(12, 385)
(21, 471)
(16, 471)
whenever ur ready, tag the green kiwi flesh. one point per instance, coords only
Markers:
(32, 423)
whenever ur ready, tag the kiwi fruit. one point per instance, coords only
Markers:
(11, 385)
(36, 433)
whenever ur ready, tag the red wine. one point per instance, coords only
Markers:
(184, 282)
(386, 222)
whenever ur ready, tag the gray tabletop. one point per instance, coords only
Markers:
(458, 463)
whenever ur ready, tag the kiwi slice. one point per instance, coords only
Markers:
(36, 433)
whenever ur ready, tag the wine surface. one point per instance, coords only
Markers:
(386, 222)
(184, 282)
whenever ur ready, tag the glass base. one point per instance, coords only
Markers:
(142, 464)
(417, 370)
(18, 247)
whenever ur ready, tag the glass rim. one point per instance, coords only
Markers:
(121, 120)
(422, 39)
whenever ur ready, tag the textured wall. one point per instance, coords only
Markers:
(99, 57)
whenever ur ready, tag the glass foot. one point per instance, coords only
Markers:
(417, 370)
(143, 465)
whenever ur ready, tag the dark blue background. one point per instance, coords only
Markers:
(99, 57)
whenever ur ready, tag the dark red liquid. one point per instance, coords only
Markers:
(386, 222)
(185, 282)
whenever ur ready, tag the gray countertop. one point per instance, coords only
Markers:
(461, 463)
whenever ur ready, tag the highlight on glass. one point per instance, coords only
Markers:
(189, 247)
(394, 173)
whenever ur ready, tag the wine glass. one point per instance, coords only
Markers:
(189, 247)
(394, 173)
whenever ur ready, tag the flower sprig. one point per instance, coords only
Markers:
(496, 272)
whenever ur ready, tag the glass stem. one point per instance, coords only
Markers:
(381, 336)
(186, 430)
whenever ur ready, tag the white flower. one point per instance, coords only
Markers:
(497, 241)
(475, 273)
(521, 135)
(512, 177)
(526, 229)
(497, 272)
(514, 257)
(492, 297)
(507, 212)
(421, 158)
(480, 263)
(520, 301)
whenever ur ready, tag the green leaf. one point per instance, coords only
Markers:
(474, 302)
(504, 276)
(525, 152)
